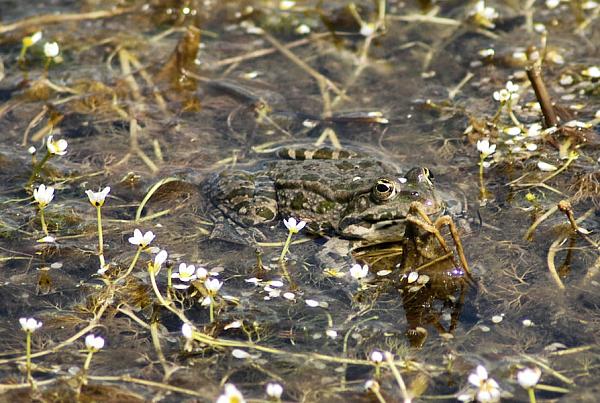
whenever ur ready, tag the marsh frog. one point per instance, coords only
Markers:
(337, 192)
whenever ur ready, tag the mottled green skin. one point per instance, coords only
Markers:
(334, 192)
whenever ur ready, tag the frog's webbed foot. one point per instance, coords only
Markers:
(417, 216)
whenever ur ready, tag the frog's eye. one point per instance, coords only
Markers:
(384, 189)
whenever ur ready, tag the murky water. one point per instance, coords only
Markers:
(155, 98)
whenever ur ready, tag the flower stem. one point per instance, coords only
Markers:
(531, 392)
(169, 281)
(100, 239)
(155, 287)
(286, 247)
(482, 190)
(497, 114)
(43, 221)
(88, 360)
(28, 360)
(212, 310)
(164, 302)
(132, 265)
(36, 169)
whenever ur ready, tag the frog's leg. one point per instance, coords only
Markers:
(247, 198)
(419, 217)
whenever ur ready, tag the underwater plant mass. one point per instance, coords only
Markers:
(296, 201)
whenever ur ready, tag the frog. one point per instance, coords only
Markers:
(338, 193)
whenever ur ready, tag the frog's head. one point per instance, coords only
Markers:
(380, 214)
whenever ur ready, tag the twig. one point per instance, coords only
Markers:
(145, 382)
(59, 18)
(534, 73)
(550, 260)
(300, 63)
(529, 234)
(264, 52)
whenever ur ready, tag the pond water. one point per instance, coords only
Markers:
(157, 99)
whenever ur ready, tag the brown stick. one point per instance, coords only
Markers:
(534, 73)
(56, 18)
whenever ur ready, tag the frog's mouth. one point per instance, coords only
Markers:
(376, 231)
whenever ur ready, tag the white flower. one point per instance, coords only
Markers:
(186, 273)
(30, 324)
(486, 52)
(231, 395)
(531, 146)
(213, 285)
(534, 130)
(97, 198)
(302, 29)
(31, 40)
(497, 318)
(31, 150)
(592, 72)
(367, 29)
(160, 258)
(274, 390)
(240, 354)
(513, 130)
(332, 334)
(201, 273)
(236, 324)
(359, 272)
(58, 147)
(253, 280)
(544, 166)
(512, 88)
(187, 331)
(376, 356)
(484, 15)
(47, 239)
(507, 93)
(289, 296)
(43, 195)
(529, 377)
(552, 3)
(93, 343)
(276, 283)
(488, 388)
(141, 240)
(51, 49)
(412, 277)
(501, 96)
(312, 303)
(527, 322)
(485, 148)
(293, 226)
(372, 385)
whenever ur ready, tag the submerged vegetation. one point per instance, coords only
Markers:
(135, 104)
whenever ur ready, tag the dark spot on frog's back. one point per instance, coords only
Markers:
(345, 165)
(325, 206)
(298, 202)
(266, 213)
(310, 177)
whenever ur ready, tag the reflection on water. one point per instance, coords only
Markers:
(155, 97)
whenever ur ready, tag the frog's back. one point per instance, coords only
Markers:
(312, 184)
